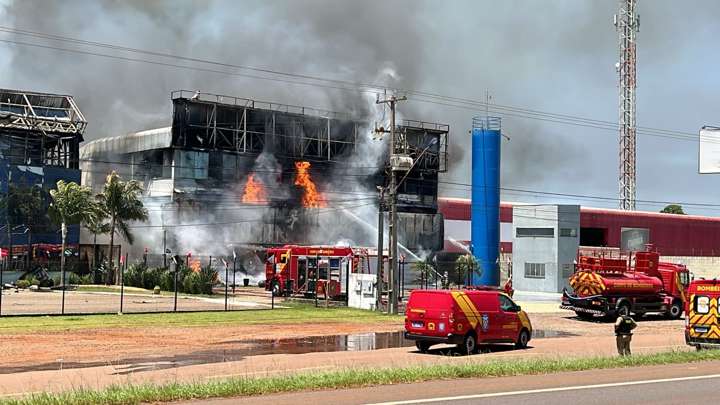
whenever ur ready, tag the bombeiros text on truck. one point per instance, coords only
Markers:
(606, 285)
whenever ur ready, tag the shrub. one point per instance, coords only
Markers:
(22, 284)
(86, 279)
(72, 278)
(32, 280)
(150, 277)
(207, 277)
(132, 276)
(191, 283)
(167, 281)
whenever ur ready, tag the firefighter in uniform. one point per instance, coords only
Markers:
(623, 333)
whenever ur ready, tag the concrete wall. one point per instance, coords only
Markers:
(568, 224)
(555, 251)
(700, 266)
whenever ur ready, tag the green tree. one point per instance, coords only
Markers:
(466, 265)
(673, 209)
(71, 204)
(121, 201)
(425, 271)
(97, 225)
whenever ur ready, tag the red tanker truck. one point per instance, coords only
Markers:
(635, 283)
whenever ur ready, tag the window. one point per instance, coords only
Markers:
(702, 304)
(534, 270)
(568, 232)
(684, 278)
(535, 232)
(506, 304)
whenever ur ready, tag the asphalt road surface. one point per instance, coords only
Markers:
(675, 384)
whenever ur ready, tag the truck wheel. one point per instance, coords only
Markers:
(675, 311)
(422, 346)
(623, 309)
(584, 315)
(523, 339)
(469, 345)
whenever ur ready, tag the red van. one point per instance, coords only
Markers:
(466, 318)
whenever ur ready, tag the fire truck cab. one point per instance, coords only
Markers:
(466, 318)
(702, 326)
(313, 270)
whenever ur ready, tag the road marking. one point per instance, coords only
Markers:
(545, 390)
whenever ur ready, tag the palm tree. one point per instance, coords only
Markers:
(71, 204)
(425, 271)
(465, 266)
(121, 201)
(97, 225)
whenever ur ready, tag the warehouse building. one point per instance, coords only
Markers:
(538, 242)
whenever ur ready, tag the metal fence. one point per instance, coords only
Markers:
(174, 288)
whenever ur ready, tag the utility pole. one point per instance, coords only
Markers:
(380, 257)
(627, 23)
(396, 164)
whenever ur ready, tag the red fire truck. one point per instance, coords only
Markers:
(635, 283)
(313, 270)
(702, 319)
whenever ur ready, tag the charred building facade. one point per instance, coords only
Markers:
(40, 135)
(240, 171)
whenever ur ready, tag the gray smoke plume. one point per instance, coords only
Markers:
(555, 56)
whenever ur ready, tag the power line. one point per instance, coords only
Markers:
(429, 97)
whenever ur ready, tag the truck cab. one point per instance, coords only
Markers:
(466, 318)
(702, 327)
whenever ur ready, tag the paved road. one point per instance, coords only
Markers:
(675, 384)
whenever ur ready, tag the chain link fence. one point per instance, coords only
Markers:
(150, 283)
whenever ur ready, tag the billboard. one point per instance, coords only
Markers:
(634, 239)
(709, 150)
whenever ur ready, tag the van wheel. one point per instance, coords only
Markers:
(469, 345)
(523, 339)
(675, 310)
(422, 346)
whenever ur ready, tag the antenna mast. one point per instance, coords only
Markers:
(627, 23)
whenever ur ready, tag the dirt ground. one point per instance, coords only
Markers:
(100, 346)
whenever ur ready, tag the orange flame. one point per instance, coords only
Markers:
(195, 265)
(311, 198)
(254, 191)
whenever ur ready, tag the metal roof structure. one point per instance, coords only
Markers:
(50, 113)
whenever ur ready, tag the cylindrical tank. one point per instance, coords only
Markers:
(588, 283)
(485, 214)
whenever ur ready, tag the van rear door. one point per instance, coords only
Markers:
(428, 312)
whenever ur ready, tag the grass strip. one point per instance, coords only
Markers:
(292, 313)
(351, 378)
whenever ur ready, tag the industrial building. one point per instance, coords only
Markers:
(541, 241)
(244, 164)
(40, 134)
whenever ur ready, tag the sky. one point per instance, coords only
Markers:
(554, 55)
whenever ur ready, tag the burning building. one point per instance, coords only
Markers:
(237, 171)
(40, 134)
